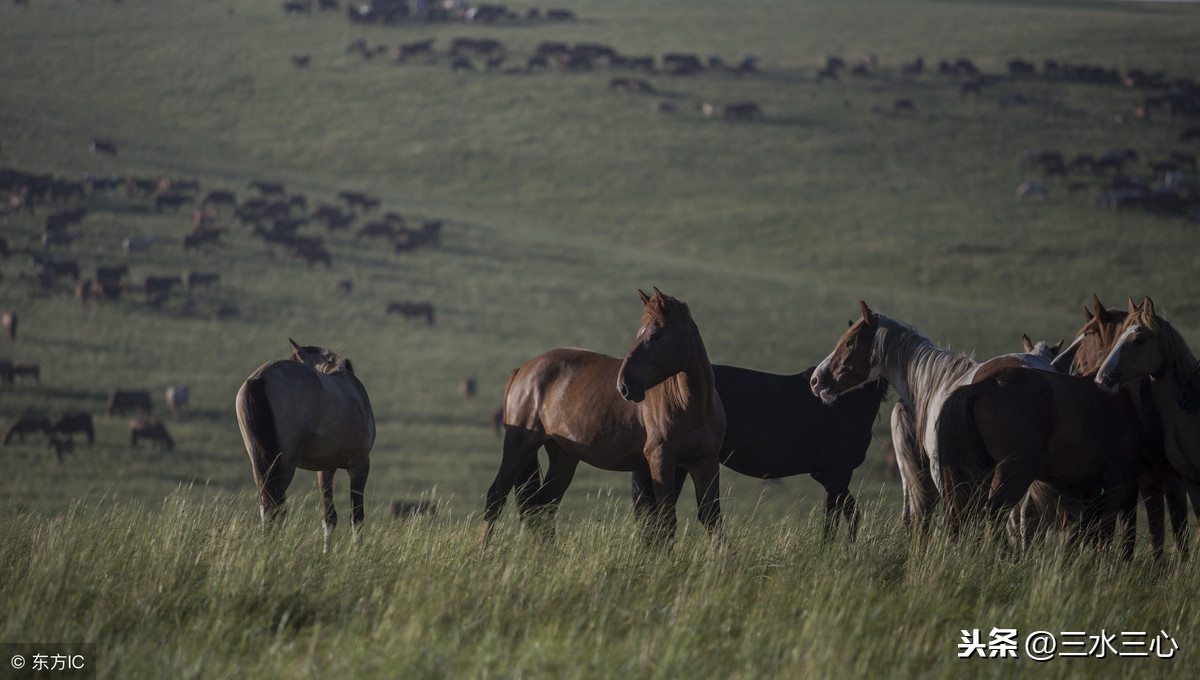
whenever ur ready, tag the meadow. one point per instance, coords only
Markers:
(560, 198)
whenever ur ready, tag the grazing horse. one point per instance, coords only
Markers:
(70, 423)
(27, 423)
(10, 320)
(923, 375)
(122, 401)
(309, 412)
(664, 413)
(1162, 490)
(776, 427)
(1148, 345)
(149, 428)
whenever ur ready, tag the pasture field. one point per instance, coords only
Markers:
(560, 198)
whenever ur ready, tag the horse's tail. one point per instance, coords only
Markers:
(962, 454)
(262, 440)
(507, 387)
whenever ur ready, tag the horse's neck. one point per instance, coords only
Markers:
(915, 366)
(695, 386)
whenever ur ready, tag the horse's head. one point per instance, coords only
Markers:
(1093, 341)
(1040, 349)
(318, 358)
(852, 361)
(663, 346)
(1141, 347)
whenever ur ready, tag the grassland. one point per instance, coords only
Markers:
(561, 198)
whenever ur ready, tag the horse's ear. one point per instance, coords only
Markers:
(1057, 347)
(1026, 343)
(1088, 313)
(850, 323)
(294, 345)
(1134, 309)
(658, 292)
(645, 298)
(1148, 306)
(1097, 304)
(866, 312)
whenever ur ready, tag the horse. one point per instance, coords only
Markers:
(27, 423)
(1148, 345)
(149, 428)
(70, 423)
(177, 399)
(309, 412)
(776, 428)
(1011, 426)
(1162, 490)
(664, 413)
(121, 401)
(923, 375)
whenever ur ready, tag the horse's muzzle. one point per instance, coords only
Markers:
(1108, 381)
(628, 394)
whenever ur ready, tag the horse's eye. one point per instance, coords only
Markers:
(850, 343)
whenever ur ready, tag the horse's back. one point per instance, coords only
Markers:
(570, 395)
(776, 427)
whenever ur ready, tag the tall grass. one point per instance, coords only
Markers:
(196, 589)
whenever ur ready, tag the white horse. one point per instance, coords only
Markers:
(309, 412)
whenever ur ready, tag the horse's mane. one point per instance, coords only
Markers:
(929, 367)
(1173, 346)
(327, 361)
(662, 308)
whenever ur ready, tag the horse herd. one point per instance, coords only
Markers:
(1034, 440)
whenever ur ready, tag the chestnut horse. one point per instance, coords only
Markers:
(777, 428)
(1148, 345)
(309, 412)
(655, 410)
(1083, 357)
(923, 375)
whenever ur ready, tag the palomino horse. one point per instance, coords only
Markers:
(653, 411)
(777, 428)
(923, 375)
(309, 412)
(1149, 345)
(1083, 357)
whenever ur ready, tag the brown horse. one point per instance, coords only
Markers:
(1148, 345)
(309, 412)
(1162, 490)
(149, 428)
(663, 413)
(1011, 426)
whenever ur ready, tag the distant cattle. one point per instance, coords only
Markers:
(148, 428)
(202, 279)
(158, 288)
(138, 244)
(62, 448)
(32, 371)
(219, 197)
(125, 401)
(72, 423)
(356, 199)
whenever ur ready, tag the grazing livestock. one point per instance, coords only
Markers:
(121, 402)
(27, 371)
(267, 188)
(102, 146)
(72, 423)
(137, 244)
(357, 199)
(664, 414)
(1031, 189)
(301, 61)
(466, 387)
(402, 509)
(6, 371)
(309, 412)
(27, 423)
(11, 321)
(158, 288)
(742, 111)
(62, 448)
(202, 279)
(177, 400)
(410, 310)
(149, 428)
(219, 197)
(345, 286)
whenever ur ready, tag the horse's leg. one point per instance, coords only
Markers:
(706, 476)
(1152, 497)
(1175, 491)
(559, 474)
(328, 514)
(838, 501)
(920, 493)
(273, 479)
(527, 490)
(358, 484)
(520, 448)
(659, 526)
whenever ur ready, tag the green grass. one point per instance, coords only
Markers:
(561, 198)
